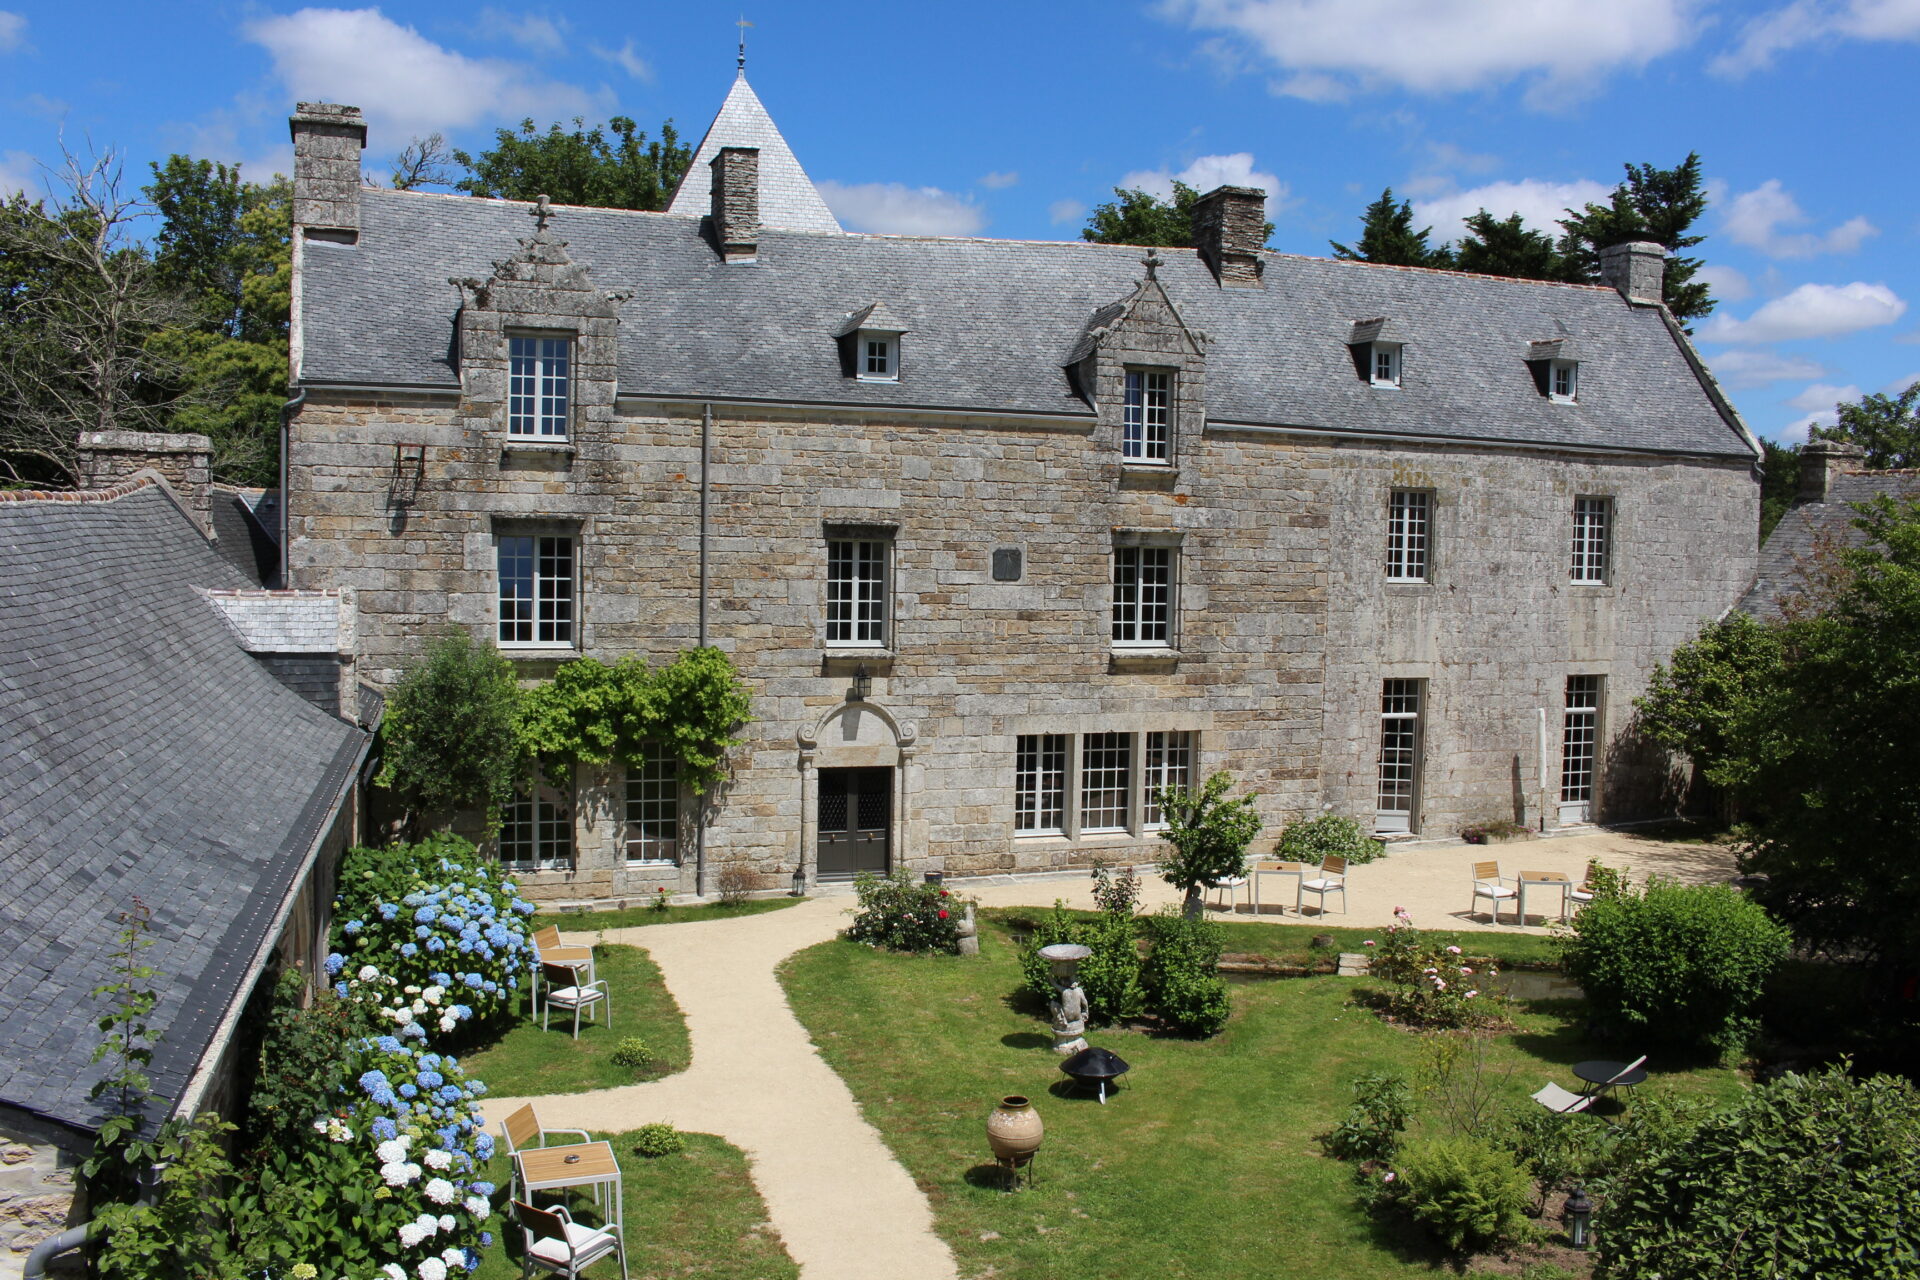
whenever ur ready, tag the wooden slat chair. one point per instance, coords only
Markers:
(1332, 879)
(1489, 884)
(556, 1243)
(523, 1129)
(549, 949)
(565, 990)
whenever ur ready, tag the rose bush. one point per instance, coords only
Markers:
(1434, 984)
(900, 915)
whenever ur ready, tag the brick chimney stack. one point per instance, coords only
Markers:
(327, 142)
(1638, 269)
(1820, 462)
(736, 203)
(1229, 228)
(185, 462)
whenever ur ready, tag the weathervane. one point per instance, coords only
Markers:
(1152, 263)
(541, 211)
(743, 24)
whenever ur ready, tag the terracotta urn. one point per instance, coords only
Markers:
(1014, 1128)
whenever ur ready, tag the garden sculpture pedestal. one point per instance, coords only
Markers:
(1068, 1009)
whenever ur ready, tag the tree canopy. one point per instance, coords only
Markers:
(1886, 426)
(582, 166)
(1387, 236)
(1140, 217)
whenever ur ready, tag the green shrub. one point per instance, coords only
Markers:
(1181, 976)
(900, 915)
(450, 735)
(1110, 976)
(1433, 984)
(1310, 840)
(1814, 1175)
(653, 1140)
(1470, 1195)
(1209, 834)
(633, 1052)
(1675, 963)
(1372, 1127)
(1558, 1150)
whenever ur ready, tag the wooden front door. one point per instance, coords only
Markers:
(855, 817)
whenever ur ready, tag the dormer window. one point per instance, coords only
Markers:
(1376, 347)
(1556, 369)
(869, 341)
(1385, 364)
(1146, 428)
(879, 356)
(1562, 380)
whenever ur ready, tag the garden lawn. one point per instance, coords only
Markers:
(524, 1061)
(695, 1214)
(629, 917)
(1207, 1162)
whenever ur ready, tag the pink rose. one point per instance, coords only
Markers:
(1367, 943)
(1453, 951)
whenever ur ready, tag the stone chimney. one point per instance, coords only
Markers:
(736, 203)
(327, 142)
(185, 462)
(1229, 228)
(1820, 462)
(1638, 269)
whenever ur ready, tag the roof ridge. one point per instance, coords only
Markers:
(120, 490)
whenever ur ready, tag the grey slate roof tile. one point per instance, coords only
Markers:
(1808, 526)
(141, 752)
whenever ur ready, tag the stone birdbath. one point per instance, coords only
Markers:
(1067, 1011)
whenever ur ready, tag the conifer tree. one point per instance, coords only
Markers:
(1387, 236)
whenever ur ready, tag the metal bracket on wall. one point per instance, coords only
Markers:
(409, 471)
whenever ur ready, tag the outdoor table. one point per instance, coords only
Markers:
(1546, 879)
(1599, 1072)
(1298, 870)
(547, 1169)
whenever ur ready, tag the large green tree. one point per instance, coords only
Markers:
(1508, 247)
(1652, 204)
(1781, 484)
(1886, 426)
(1387, 236)
(1140, 217)
(582, 166)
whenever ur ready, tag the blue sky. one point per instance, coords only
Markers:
(1010, 120)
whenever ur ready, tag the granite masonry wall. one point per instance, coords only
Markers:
(39, 1163)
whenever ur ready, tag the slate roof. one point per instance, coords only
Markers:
(788, 198)
(242, 536)
(1810, 525)
(141, 752)
(991, 323)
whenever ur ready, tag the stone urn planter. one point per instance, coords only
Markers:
(1014, 1129)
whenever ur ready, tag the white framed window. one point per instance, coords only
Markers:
(653, 806)
(1385, 364)
(1143, 596)
(857, 592)
(1409, 530)
(1106, 781)
(1592, 539)
(539, 386)
(1168, 763)
(536, 829)
(1399, 784)
(878, 356)
(1563, 381)
(537, 590)
(1147, 422)
(1579, 744)
(1040, 784)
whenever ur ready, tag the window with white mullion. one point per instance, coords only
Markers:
(653, 806)
(856, 591)
(1386, 365)
(1579, 739)
(536, 829)
(1106, 778)
(1143, 590)
(1168, 763)
(539, 387)
(1409, 522)
(1592, 518)
(1399, 754)
(1040, 784)
(536, 574)
(1146, 428)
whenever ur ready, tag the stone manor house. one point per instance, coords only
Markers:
(1003, 535)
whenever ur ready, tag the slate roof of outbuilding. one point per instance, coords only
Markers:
(1808, 527)
(142, 752)
(991, 323)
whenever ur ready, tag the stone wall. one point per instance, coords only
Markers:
(38, 1167)
(185, 461)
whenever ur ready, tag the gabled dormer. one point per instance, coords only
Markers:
(1143, 369)
(870, 344)
(1556, 369)
(1378, 351)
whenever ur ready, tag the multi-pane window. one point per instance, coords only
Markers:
(1386, 364)
(538, 381)
(1146, 429)
(536, 589)
(1106, 781)
(1168, 763)
(1143, 596)
(1592, 529)
(1399, 754)
(877, 357)
(653, 806)
(857, 591)
(1580, 733)
(1409, 525)
(536, 829)
(1562, 380)
(1040, 784)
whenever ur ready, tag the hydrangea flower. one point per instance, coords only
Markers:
(440, 1191)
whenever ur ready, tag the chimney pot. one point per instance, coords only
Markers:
(1820, 462)
(327, 142)
(1638, 269)
(1229, 229)
(185, 462)
(736, 203)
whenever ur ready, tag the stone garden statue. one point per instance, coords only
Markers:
(1067, 1011)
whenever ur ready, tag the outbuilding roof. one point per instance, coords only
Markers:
(1810, 530)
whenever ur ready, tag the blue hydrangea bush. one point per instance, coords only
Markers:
(432, 933)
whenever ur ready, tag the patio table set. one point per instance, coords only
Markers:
(1330, 876)
(554, 1241)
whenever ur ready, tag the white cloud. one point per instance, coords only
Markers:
(1729, 284)
(19, 172)
(1757, 368)
(531, 32)
(1755, 218)
(1899, 385)
(1329, 48)
(996, 181)
(406, 84)
(13, 31)
(1797, 432)
(897, 209)
(1208, 172)
(628, 59)
(1822, 396)
(1540, 204)
(1064, 211)
(1808, 21)
(1811, 311)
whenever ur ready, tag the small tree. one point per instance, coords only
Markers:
(1209, 834)
(450, 738)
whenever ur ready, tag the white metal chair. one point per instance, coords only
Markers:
(1488, 883)
(556, 1243)
(1578, 896)
(564, 988)
(1228, 885)
(1332, 879)
(1555, 1099)
(548, 949)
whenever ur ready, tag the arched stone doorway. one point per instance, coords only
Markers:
(855, 771)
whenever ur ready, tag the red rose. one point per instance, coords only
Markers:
(943, 893)
(943, 915)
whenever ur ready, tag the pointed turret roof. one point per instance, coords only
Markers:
(788, 200)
